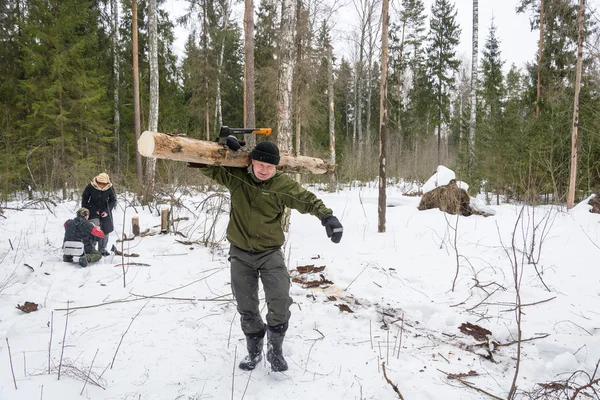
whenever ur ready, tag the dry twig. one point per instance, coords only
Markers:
(391, 383)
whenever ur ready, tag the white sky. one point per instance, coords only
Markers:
(518, 43)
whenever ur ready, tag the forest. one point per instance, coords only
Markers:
(75, 93)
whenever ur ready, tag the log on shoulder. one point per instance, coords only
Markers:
(181, 148)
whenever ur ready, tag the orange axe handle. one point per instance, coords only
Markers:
(262, 131)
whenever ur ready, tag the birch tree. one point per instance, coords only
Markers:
(285, 80)
(153, 108)
(225, 14)
(136, 91)
(331, 102)
(474, 68)
(383, 118)
(574, 141)
(249, 101)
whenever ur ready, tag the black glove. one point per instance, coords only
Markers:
(233, 143)
(333, 227)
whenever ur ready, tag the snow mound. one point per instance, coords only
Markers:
(442, 177)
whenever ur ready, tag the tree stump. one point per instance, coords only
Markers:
(164, 220)
(135, 225)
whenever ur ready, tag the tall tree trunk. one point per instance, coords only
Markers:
(249, 103)
(355, 114)
(474, 68)
(401, 77)
(284, 85)
(153, 110)
(573, 174)
(299, 81)
(331, 102)
(136, 92)
(116, 82)
(286, 70)
(370, 73)
(540, 51)
(218, 102)
(383, 118)
(205, 77)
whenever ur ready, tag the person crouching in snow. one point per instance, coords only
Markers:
(99, 197)
(259, 196)
(79, 229)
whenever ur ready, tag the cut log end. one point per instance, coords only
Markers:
(146, 144)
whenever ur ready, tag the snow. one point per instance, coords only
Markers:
(398, 285)
(442, 177)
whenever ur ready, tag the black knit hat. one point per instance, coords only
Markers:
(266, 152)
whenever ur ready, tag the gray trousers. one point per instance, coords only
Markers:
(246, 269)
(102, 243)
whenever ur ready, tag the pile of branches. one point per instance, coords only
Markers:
(449, 198)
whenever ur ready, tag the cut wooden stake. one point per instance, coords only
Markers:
(164, 220)
(135, 225)
(181, 148)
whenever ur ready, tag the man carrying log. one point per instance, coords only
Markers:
(259, 195)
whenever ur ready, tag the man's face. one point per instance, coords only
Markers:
(263, 170)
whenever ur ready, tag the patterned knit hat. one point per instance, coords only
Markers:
(83, 212)
(266, 152)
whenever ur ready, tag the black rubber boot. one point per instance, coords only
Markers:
(275, 336)
(254, 343)
(67, 258)
(83, 261)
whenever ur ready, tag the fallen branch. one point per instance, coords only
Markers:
(11, 364)
(391, 383)
(545, 335)
(87, 378)
(62, 351)
(123, 336)
(218, 298)
(157, 296)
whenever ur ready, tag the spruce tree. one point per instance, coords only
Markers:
(490, 150)
(444, 36)
(65, 90)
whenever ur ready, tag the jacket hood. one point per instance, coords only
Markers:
(102, 189)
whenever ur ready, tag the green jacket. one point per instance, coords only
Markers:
(257, 206)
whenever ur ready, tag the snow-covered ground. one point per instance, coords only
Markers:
(173, 331)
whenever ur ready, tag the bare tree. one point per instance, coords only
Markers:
(136, 91)
(226, 12)
(573, 174)
(365, 10)
(205, 77)
(539, 71)
(115, 50)
(330, 100)
(383, 116)
(249, 103)
(153, 110)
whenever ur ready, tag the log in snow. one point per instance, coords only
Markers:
(181, 148)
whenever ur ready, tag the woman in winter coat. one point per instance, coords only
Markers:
(99, 197)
